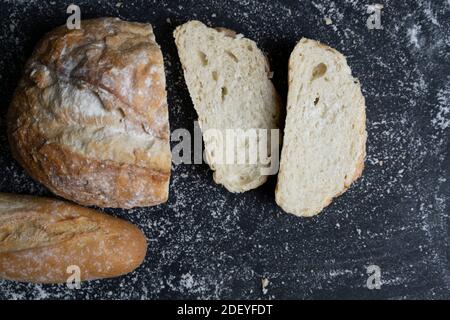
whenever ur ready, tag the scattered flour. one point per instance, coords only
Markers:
(187, 281)
(206, 243)
(442, 119)
(413, 36)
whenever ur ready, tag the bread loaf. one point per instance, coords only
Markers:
(41, 239)
(89, 119)
(325, 138)
(228, 79)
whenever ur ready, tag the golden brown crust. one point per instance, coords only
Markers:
(40, 238)
(228, 32)
(89, 119)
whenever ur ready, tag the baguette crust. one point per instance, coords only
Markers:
(297, 104)
(40, 238)
(89, 119)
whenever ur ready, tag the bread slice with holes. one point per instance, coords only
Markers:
(325, 136)
(228, 79)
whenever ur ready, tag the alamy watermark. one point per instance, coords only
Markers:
(74, 280)
(374, 20)
(260, 147)
(74, 20)
(374, 279)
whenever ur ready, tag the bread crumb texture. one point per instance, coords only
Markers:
(228, 78)
(325, 134)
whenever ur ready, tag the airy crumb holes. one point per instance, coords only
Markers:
(319, 71)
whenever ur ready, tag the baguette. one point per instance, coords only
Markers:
(41, 238)
(325, 135)
(228, 79)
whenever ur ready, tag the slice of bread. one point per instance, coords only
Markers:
(228, 79)
(325, 136)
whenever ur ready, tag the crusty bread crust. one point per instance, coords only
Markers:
(40, 238)
(89, 119)
(283, 180)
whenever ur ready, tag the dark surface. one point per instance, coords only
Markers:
(208, 243)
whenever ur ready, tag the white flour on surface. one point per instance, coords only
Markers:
(413, 39)
(207, 244)
(442, 118)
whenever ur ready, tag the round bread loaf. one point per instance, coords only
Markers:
(89, 119)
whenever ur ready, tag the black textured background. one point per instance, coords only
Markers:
(208, 243)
